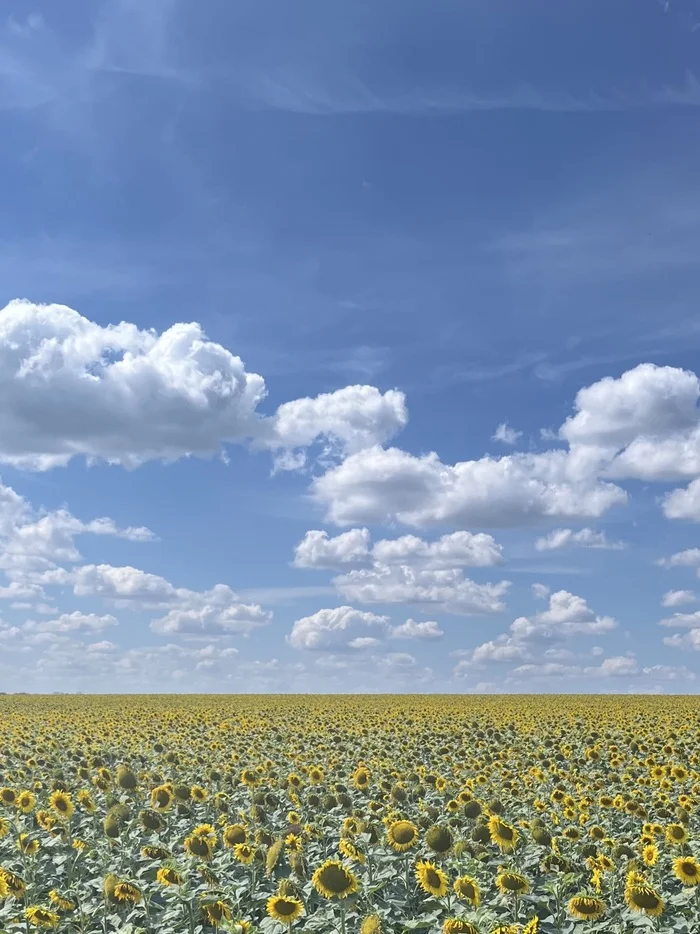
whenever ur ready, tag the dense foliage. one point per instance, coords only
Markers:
(350, 814)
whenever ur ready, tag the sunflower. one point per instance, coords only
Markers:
(198, 793)
(458, 926)
(41, 917)
(350, 851)
(509, 882)
(467, 889)
(8, 797)
(161, 798)
(233, 834)
(676, 834)
(61, 902)
(502, 834)
(432, 880)
(4, 827)
(168, 876)
(216, 912)
(650, 854)
(60, 802)
(27, 844)
(532, 926)
(316, 775)
(586, 907)
(371, 924)
(26, 802)
(439, 839)
(360, 778)
(244, 853)
(641, 897)
(201, 847)
(127, 892)
(333, 880)
(16, 886)
(250, 778)
(402, 835)
(284, 908)
(155, 852)
(687, 870)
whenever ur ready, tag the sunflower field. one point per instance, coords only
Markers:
(350, 815)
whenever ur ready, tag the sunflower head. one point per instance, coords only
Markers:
(15, 885)
(641, 897)
(402, 835)
(62, 902)
(216, 912)
(676, 834)
(128, 893)
(334, 880)
(371, 924)
(432, 880)
(438, 838)
(284, 908)
(467, 890)
(509, 882)
(166, 875)
(60, 802)
(41, 917)
(687, 869)
(458, 926)
(586, 907)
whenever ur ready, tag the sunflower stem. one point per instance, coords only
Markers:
(342, 919)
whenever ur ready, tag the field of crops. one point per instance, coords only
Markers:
(350, 814)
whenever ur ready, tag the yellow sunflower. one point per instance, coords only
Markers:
(687, 870)
(60, 802)
(402, 835)
(216, 912)
(41, 917)
(586, 907)
(467, 889)
(676, 834)
(502, 834)
(334, 880)
(509, 882)
(284, 908)
(642, 897)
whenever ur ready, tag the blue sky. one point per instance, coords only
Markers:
(274, 275)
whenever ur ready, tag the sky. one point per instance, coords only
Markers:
(350, 347)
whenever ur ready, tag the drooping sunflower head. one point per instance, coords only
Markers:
(459, 926)
(155, 852)
(284, 908)
(504, 835)
(687, 869)
(62, 902)
(432, 880)
(127, 892)
(642, 897)
(509, 882)
(233, 834)
(350, 851)
(334, 880)
(201, 847)
(41, 917)
(166, 875)
(27, 844)
(161, 798)
(126, 779)
(439, 839)
(16, 886)
(216, 912)
(586, 907)
(402, 835)
(467, 890)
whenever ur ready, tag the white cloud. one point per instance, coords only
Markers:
(678, 598)
(683, 503)
(446, 589)
(72, 622)
(690, 558)
(584, 538)
(566, 615)
(335, 628)
(317, 550)
(387, 485)
(681, 619)
(616, 667)
(506, 435)
(668, 673)
(458, 549)
(540, 591)
(533, 671)
(428, 629)
(70, 387)
(685, 640)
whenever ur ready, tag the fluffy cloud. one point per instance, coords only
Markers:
(339, 628)
(71, 387)
(683, 503)
(459, 549)
(690, 558)
(387, 485)
(681, 620)
(446, 589)
(318, 550)
(678, 598)
(584, 538)
(566, 615)
(72, 622)
(428, 629)
(685, 640)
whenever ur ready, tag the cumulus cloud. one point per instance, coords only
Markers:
(681, 619)
(506, 435)
(685, 640)
(566, 615)
(72, 622)
(584, 538)
(318, 550)
(458, 549)
(446, 589)
(428, 629)
(683, 503)
(71, 387)
(388, 485)
(338, 628)
(678, 598)
(690, 558)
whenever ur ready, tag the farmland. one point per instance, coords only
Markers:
(350, 814)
